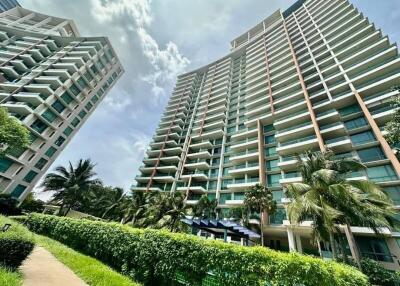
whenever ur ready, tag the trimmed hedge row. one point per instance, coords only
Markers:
(157, 257)
(14, 247)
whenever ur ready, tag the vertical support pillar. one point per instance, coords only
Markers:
(225, 235)
(261, 153)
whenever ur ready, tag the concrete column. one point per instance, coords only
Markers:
(292, 245)
(299, 246)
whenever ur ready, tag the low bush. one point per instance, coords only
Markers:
(379, 275)
(157, 257)
(10, 278)
(15, 246)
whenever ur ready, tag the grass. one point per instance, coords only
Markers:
(90, 270)
(10, 278)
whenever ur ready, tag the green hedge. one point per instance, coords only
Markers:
(14, 247)
(159, 257)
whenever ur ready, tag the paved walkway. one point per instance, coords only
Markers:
(41, 268)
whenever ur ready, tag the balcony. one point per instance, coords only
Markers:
(201, 154)
(242, 185)
(241, 135)
(193, 189)
(234, 202)
(195, 175)
(144, 189)
(299, 130)
(206, 144)
(168, 151)
(170, 143)
(201, 165)
(31, 98)
(213, 134)
(244, 156)
(164, 136)
(298, 145)
(157, 178)
(160, 169)
(339, 144)
(249, 168)
(245, 144)
(335, 129)
(39, 88)
(21, 108)
(290, 180)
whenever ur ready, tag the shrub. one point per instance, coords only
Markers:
(14, 250)
(379, 275)
(157, 257)
(9, 205)
(15, 245)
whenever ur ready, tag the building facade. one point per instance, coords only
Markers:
(51, 80)
(317, 76)
(8, 4)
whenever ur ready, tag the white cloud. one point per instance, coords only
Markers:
(166, 63)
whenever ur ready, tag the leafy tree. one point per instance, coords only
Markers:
(259, 199)
(71, 184)
(13, 135)
(30, 204)
(393, 126)
(9, 205)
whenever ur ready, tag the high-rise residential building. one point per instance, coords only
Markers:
(51, 80)
(317, 76)
(8, 4)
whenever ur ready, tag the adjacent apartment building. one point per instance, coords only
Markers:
(51, 80)
(319, 75)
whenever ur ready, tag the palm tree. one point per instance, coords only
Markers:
(70, 184)
(205, 208)
(259, 199)
(330, 200)
(112, 200)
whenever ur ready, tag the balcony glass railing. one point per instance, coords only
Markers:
(244, 166)
(325, 113)
(337, 139)
(327, 126)
(297, 140)
(245, 141)
(378, 79)
(247, 152)
(292, 115)
(381, 109)
(294, 127)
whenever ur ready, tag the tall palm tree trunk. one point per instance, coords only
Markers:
(352, 244)
(319, 249)
(333, 245)
(262, 228)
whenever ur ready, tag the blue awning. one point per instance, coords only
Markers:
(219, 226)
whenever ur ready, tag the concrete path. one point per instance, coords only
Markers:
(41, 268)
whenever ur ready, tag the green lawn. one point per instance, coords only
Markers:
(90, 270)
(10, 278)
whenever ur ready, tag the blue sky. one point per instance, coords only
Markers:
(156, 40)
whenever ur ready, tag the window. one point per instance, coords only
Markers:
(50, 152)
(349, 109)
(38, 126)
(16, 152)
(382, 173)
(231, 129)
(82, 83)
(356, 123)
(74, 89)
(94, 69)
(17, 192)
(224, 197)
(88, 76)
(225, 171)
(362, 138)
(374, 248)
(278, 217)
(270, 151)
(67, 98)
(58, 106)
(30, 176)
(393, 193)
(94, 99)
(212, 185)
(269, 139)
(68, 131)
(213, 173)
(60, 140)
(41, 163)
(89, 106)
(272, 165)
(215, 161)
(82, 114)
(268, 128)
(226, 160)
(371, 154)
(277, 196)
(75, 122)
(50, 116)
(273, 180)
(5, 164)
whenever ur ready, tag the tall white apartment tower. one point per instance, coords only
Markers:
(317, 76)
(51, 80)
